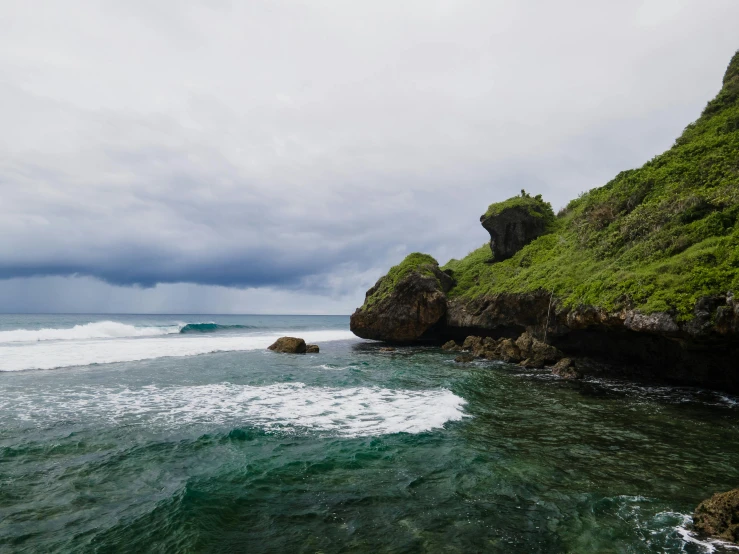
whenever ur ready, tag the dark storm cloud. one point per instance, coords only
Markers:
(307, 146)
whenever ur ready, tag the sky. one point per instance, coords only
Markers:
(182, 156)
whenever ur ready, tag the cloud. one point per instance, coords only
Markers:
(307, 146)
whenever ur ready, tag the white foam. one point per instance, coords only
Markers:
(349, 412)
(94, 330)
(52, 355)
(709, 545)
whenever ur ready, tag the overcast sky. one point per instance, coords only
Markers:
(277, 157)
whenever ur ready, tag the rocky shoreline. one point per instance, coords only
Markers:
(627, 343)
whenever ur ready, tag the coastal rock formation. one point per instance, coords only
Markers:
(515, 223)
(312, 349)
(565, 368)
(718, 517)
(637, 278)
(288, 345)
(406, 304)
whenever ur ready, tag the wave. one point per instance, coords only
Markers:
(94, 330)
(282, 407)
(67, 353)
(211, 327)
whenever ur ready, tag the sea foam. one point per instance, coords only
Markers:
(67, 353)
(284, 407)
(94, 330)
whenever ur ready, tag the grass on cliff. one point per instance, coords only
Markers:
(534, 205)
(415, 262)
(657, 238)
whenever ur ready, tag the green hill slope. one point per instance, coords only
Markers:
(655, 238)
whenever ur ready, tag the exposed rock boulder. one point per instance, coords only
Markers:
(472, 343)
(451, 346)
(405, 304)
(565, 368)
(718, 516)
(515, 223)
(508, 351)
(464, 358)
(538, 353)
(289, 345)
(312, 349)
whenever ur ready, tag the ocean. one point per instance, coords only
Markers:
(127, 433)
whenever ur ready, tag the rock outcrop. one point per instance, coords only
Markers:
(718, 517)
(312, 349)
(406, 304)
(288, 345)
(636, 278)
(515, 223)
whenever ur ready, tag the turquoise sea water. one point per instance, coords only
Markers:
(125, 434)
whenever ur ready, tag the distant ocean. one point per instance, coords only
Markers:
(126, 433)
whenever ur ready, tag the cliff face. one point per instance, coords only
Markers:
(638, 275)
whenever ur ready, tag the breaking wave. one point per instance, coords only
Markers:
(283, 407)
(95, 330)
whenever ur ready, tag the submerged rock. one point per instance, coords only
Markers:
(388, 349)
(289, 345)
(464, 358)
(405, 304)
(312, 349)
(718, 516)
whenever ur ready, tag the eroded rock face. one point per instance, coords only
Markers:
(718, 516)
(414, 305)
(512, 229)
(288, 345)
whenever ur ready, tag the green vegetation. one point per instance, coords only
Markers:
(656, 238)
(534, 205)
(415, 262)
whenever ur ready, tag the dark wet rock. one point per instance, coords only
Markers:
(404, 311)
(312, 349)
(718, 517)
(565, 368)
(452, 346)
(388, 349)
(464, 358)
(289, 345)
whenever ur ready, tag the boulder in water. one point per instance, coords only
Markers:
(565, 368)
(311, 349)
(718, 516)
(406, 304)
(289, 345)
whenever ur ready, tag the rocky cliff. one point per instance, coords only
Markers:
(637, 277)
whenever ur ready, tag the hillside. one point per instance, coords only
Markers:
(656, 238)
